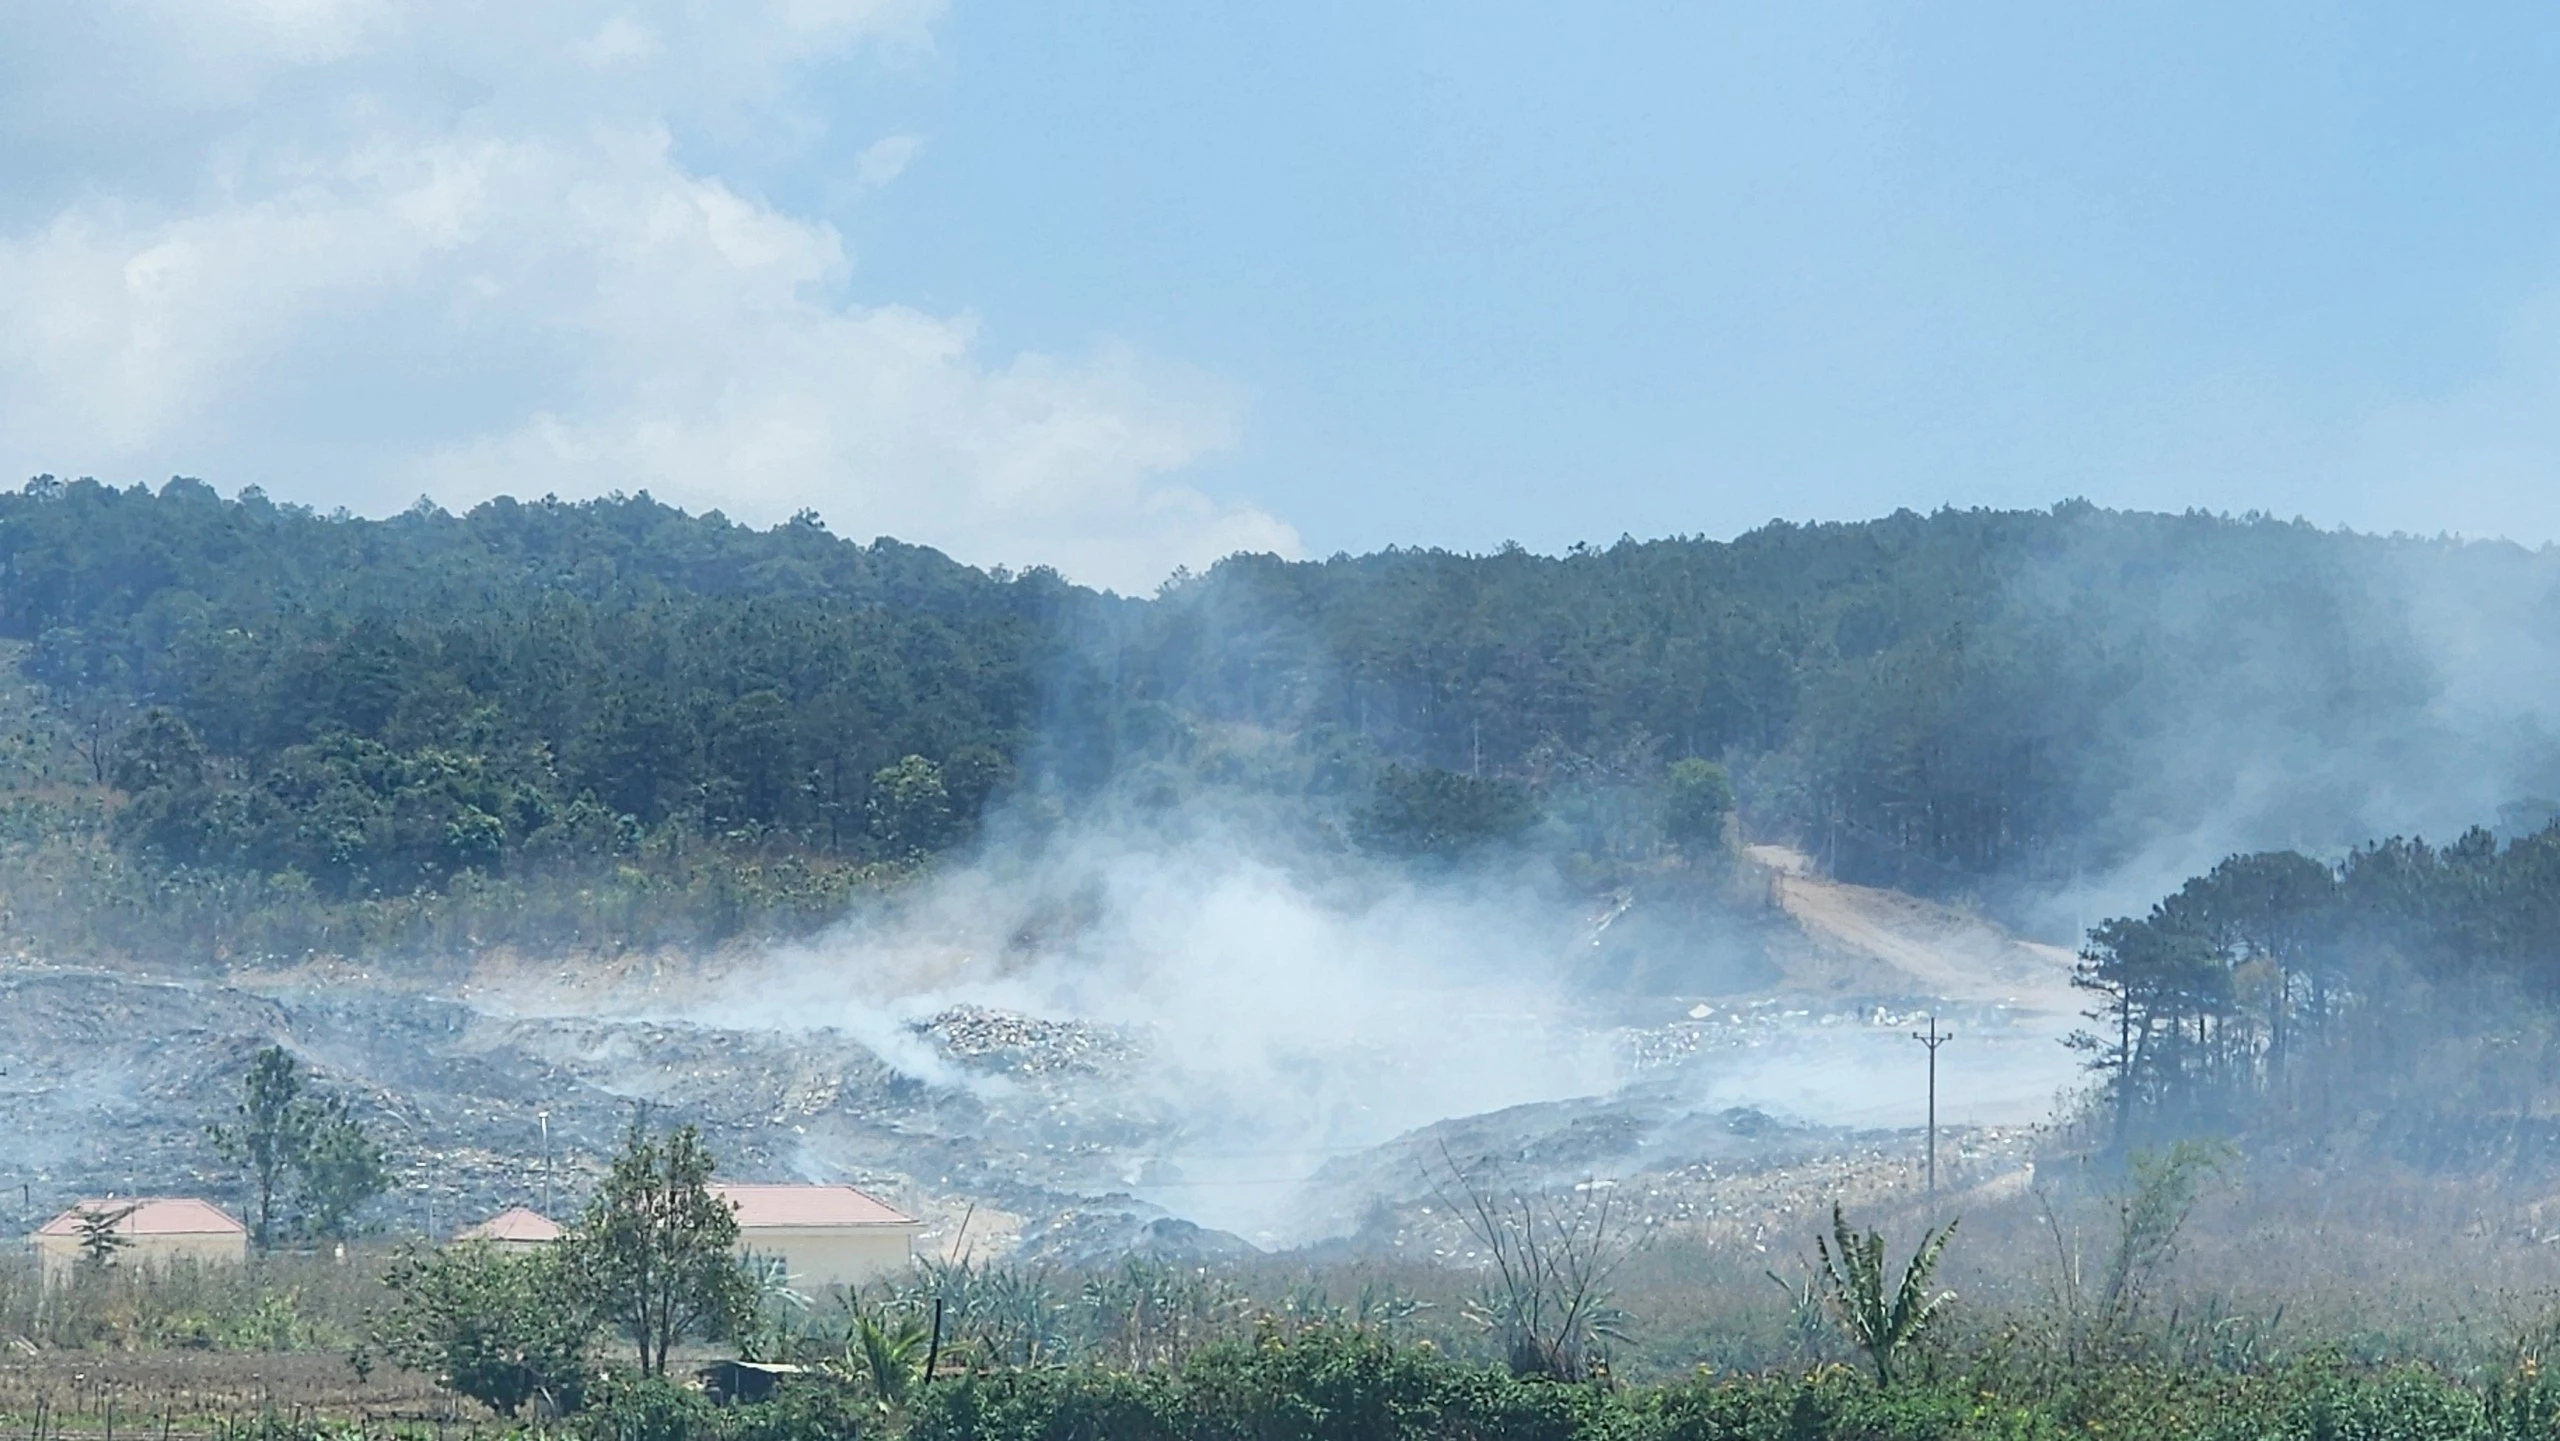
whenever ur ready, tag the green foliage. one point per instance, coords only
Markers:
(274, 1323)
(545, 691)
(1548, 1306)
(1882, 1320)
(100, 1238)
(1697, 803)
(1049, 1405)
(625, 1407)
(340, 1170)
(284, 1303)
(1441, 813)
(1806, 1304)
(802, 1409)
(911, 807)
(270, 1128)
(2324, 1401)
(2263, 997)
(656, 1251)
(2145, 1208)
(2150, 1212)
(1327, 1384)
(502, 1329)
(888, 1355)
(648, 1407)
(610, 723)
(1349, 1386)
(281, 1133)
(1006, 1315)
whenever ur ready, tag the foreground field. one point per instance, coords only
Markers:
(2393, 1318)
(1345, 1384)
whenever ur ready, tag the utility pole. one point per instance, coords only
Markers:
(1933, 1039)
(545, 1118)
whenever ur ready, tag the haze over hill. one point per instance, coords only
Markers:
(1146, 631)
(2018, 706)
(1256, 874)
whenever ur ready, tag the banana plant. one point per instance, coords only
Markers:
(887, 1353)
(1853, 1267)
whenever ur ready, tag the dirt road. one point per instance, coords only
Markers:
(1946, 953)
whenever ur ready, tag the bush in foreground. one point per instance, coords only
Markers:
(1347, 1385)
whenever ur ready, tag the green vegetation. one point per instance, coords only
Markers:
(1883, 1320)
(654, 1257)
(1341, 1385)
(503, 1329)
(1697, 805)
(1441, 813)
(656, 1252)
(241, 730)
(2403, 994)
(273, 732)
(309, 1163)
(1549, 1308)
(1155, 1350)
(283, 1305)
(99, 1238)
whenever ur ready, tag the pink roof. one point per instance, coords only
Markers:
(151, 1216)
(760, 1206)
(516, 1223)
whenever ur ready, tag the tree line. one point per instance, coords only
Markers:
(673, 726)
(2405, 991)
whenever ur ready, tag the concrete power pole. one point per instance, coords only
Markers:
(1933, 1039)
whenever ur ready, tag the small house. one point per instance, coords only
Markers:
(149, 1231)
(822, 1235)
(517, 1228)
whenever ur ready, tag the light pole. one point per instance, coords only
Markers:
(1933, 1039)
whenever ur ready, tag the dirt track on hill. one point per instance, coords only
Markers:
(1944, 953)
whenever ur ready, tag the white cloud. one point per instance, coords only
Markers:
(886, 159)
(453, 248)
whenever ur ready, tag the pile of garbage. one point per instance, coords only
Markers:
(1017, 1044)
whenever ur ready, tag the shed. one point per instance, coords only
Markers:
(517, 1228)
(732, 1382)
(156, 1231)
(823, 1235)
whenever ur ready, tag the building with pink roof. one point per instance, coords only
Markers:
(823, 1235)
(154, 1231)
(517, 1228)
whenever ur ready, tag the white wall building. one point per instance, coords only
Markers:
(823, 1235)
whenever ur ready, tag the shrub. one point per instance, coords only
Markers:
(624, 1407)
(1079, 1405)
(803, 1409)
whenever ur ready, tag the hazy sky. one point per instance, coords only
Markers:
(1136, 282)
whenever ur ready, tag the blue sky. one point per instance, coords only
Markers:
(1134, 283)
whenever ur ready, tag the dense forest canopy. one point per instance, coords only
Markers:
(674, 726)
(1935, 701)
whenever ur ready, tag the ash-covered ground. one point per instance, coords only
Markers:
(1714, 1062)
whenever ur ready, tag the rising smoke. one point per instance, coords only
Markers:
(1284, 1008)
(1291, 1003)
(2266, 686)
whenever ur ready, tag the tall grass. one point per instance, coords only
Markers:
(271, 1304)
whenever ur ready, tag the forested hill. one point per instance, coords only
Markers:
(1930, 701)
(612, 722)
